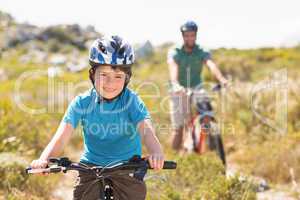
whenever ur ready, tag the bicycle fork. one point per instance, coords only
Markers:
(108, 192)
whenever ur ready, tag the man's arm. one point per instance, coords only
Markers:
(216, 71)
(173, 70)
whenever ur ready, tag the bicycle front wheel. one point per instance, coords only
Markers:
(215, 141)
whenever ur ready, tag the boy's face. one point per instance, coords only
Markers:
(109, 82)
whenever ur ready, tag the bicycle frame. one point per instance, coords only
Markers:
(202, 127)
(199, 147)
(199, 143)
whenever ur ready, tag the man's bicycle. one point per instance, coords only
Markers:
(136, 166)
(203, 131)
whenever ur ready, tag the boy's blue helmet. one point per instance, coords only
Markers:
(111, 50)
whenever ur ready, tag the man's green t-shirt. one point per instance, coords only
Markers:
(189, 64)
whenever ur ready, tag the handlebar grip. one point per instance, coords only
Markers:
(167, 165)
(55, 169)
(54, 160)
(217, 87)
(29, 170)
(170, 165)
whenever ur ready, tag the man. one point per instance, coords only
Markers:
(185, 67)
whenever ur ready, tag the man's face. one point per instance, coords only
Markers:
(189, 38)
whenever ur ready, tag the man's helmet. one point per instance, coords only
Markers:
(189, 26)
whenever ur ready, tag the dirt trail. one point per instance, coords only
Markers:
(279, 192)
(64, 189)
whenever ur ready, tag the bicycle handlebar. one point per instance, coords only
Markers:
(64, 165)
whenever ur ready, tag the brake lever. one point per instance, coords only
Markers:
(63, 161)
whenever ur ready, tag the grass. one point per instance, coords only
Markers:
(199, 177)
(253, 145)
(272, 159)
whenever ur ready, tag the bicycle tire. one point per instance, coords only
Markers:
(215, 142)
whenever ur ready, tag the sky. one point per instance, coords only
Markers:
(230, 23)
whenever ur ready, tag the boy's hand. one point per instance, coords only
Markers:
(156, 161)
(39, 164)
(224, 82)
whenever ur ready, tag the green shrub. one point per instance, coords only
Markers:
(16, 184)
(199, 177)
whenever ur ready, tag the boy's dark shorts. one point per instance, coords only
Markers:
(124, 185)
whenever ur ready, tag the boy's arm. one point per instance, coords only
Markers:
(55, 146)
(156, 157)
(216, 72)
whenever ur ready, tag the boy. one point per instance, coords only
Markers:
(114, 121)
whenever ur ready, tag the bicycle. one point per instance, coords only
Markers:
(137, 166)
(203, 132)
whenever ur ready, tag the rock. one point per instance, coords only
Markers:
(35, 56)
(91, 33)
(144, 50)
(10, 140)
(88, 44)
(3, 75)
(6, 20)
(25, 58)
(19, 34)
(57, 59)
(69, 34)
(274, 195)
(54, 71)
(39, 56)
(8, 159)
(14, 34)
(77, 67)
(263, 186)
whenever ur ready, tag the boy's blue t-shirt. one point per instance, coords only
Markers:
(109, 128)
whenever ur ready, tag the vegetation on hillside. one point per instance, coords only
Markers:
(258, 148)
